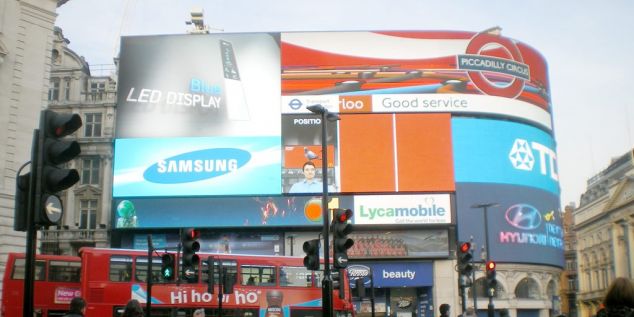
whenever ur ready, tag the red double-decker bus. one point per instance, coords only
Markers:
(265, 286)
(56, 282)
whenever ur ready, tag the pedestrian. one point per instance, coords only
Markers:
(619, 300)
(470, 312)
(199, 312)
(133, 309)
(444, 310)
(77, 307)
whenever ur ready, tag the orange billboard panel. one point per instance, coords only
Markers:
(366, 153)
(424, 152)
(396, 153)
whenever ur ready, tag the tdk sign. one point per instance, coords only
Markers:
(522, 158)
(503, 152)
(196, 166)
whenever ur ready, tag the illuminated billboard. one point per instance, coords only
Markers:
(524, 225)
(455, 72)
(218, 124)
(494, 151)
(198, 116)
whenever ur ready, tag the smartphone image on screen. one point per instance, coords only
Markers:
(237, 108)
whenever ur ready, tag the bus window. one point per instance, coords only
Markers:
(140, 269)
(64, 271)
(19, 269)
(121, 268)
(230, 265)
(295, 276)
(258, 275)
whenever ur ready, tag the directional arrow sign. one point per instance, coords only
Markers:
(53, 209)
(341, 260)
(189, 273)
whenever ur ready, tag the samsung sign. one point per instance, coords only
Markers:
(196, 166)
(402, 209)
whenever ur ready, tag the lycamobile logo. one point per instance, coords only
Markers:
(419, 211)
(196, 166)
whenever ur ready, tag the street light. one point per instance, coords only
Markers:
(327, 282)
(484, 206)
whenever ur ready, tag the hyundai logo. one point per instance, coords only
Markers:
(523, 216)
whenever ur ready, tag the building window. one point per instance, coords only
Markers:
(97, 91)
(88, 214)
(90, 171)
(67, 88)
(53, 90)
(527, 288)
(93, 125)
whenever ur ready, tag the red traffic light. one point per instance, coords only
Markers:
(465, 247)
(490, 266)
(192, 234)
(342, 215)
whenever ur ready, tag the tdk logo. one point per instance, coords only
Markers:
(522, 158)
(523, 216)
(196, 166)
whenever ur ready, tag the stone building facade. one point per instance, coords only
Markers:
(604, 225)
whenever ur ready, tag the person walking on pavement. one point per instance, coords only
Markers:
(77, 307)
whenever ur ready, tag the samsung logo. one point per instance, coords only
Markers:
(196, 166)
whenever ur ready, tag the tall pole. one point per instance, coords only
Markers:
(490, 308)
(327, 309)
(327, 282)
(31, 232)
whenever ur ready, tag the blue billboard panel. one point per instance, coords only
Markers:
(495, 151)
(524, 225)
(208, 212)
(197, 166)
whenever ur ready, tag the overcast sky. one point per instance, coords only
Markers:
(589, 47)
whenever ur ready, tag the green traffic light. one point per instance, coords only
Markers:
(167, 273)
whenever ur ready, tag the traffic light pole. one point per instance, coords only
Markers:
(31, 233)
(327, 282)
(490, 307)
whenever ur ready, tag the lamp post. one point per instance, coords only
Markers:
(485, 206)
(327, 282)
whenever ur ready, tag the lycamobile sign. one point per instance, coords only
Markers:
(402, 209)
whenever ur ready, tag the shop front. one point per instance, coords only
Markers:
(394, 289)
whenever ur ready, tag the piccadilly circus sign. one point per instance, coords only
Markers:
(494, 65)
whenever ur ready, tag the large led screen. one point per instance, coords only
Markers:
(524, 223)
(221, 120)
(198, 116)
(457, 72)
(494, 151)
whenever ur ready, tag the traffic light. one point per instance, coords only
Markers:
(465, 266)
(340, 231)
(51, 152)
(190, 244)
(311, 260)
(490, 278)
(338, 281)
(22, 186)
(167, 266)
